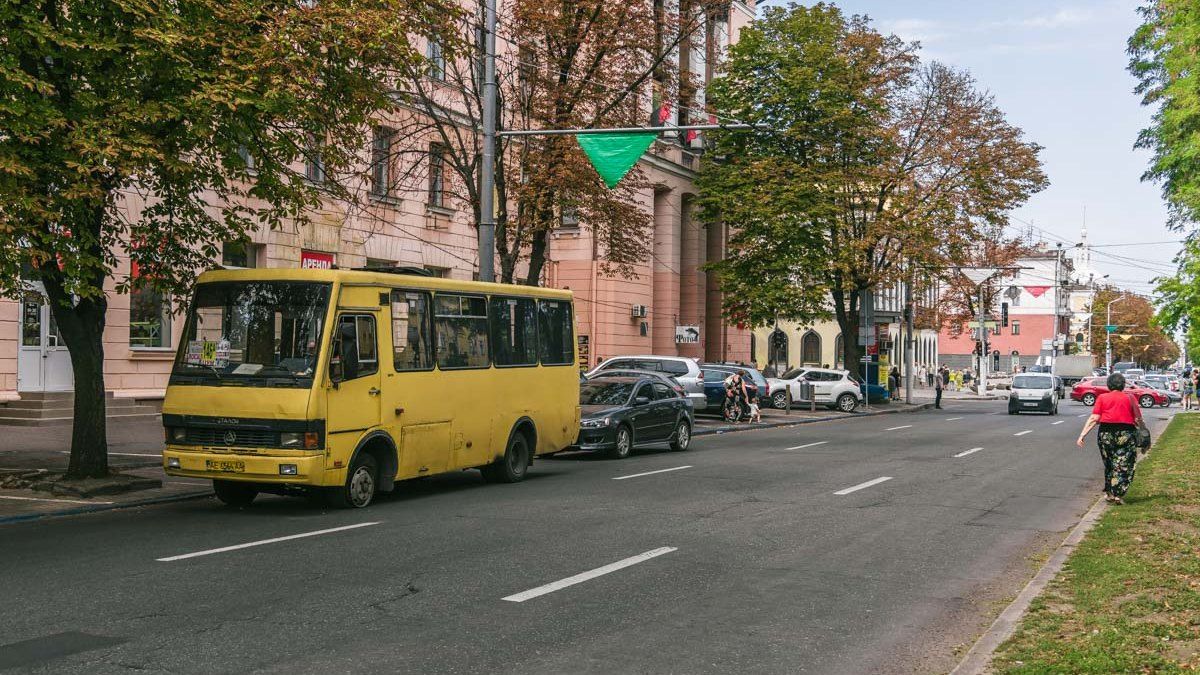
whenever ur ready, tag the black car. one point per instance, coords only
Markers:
(620, 413)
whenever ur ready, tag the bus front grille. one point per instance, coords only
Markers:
(245, 438)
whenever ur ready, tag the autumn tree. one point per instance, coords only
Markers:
(876, 165)
(1139, 336)
(160, 128)
(560, 65)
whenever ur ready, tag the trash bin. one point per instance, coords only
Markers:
(806, 393)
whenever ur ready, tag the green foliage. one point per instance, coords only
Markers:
(875, 164)
(1179, 299)
(126, 122)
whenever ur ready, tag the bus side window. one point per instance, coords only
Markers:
(412, 346)
(556, 333)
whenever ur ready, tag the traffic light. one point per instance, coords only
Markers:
(1004, 314)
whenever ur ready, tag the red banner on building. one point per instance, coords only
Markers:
(1037, 291)
(316, 260)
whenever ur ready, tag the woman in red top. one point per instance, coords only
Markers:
(1118, 416)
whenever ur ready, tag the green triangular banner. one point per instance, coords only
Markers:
(614, 155)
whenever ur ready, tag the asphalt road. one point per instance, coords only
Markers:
(760, 556)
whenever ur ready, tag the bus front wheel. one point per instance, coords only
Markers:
(512, 467)
(361, 481)
(233, 493)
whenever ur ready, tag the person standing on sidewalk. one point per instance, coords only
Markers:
(1186, 388)
(1118, 416)
(939, 383)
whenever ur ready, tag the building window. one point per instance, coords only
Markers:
(314, 165)
(570, 218)
(381, 154)
(149, 317)
(839, 346)
(1016, 327)
(239, 254)
(810, 348)
(437, 176)
(437, 59)
(247, 158)
(996, 329)
(439, 272)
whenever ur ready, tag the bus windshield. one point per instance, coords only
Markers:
(255, 333)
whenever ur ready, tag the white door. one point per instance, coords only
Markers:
(43, 362)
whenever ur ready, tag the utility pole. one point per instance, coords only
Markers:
(487, 169)
(1108, 334)
(1057, 303)
(908, 336)
(982, 384)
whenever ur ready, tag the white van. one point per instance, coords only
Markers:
(1033, 392)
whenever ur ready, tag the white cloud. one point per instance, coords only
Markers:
(922, 30)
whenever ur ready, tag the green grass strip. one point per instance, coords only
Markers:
(1128, 598)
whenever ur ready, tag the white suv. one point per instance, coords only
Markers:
(833, 388)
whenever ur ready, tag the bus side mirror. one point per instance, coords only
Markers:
(336, 372)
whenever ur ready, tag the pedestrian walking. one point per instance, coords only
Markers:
(894, 384)
(1187, 388)
(921, 372)
(1120, 421)
(967, 380)
(939, 384)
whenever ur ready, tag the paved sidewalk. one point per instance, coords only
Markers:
(131, 443)
(773, 418)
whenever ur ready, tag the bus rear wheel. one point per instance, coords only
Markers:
(233, 493)
(512, 467)
(361, 482)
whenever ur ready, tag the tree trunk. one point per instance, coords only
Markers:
(537, 257)
(846, 312)
(82, 328)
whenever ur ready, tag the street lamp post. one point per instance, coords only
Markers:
(1108, 334)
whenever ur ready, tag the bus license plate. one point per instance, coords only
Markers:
(226, 466)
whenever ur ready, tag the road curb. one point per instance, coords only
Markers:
(811, 420)
(29, 517)
(980, 655)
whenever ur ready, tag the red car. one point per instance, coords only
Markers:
(1087, 389)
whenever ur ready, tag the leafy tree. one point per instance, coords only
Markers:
(876, 165)
(159, 128)
(1164, 59)
(580, 64)
(1140, 337)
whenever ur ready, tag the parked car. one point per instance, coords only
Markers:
(1171, 382)
(1087, 390)
(1172, 397)
(1133, 374)
(685, 370)
(669, 380)
(760, 390)
(834, 388)
(714, 390)
(876, 393)
(621, 413)
(1034, 393)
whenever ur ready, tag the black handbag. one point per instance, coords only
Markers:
(1143, 432)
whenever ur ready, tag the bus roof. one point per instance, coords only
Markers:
(387, 279)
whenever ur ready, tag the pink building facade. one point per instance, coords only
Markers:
(670, 306)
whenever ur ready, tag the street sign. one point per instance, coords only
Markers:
(1111, 329)
(975, 324)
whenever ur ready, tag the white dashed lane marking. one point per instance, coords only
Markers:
(862, 486)
(808, 445)
(263, 542)
(972, 451)
(585, 576)
(651, 473)
(906, 426)
(1022, 433)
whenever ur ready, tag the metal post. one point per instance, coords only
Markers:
(908, 338)
(1057, 298)
(1108, 335)
(487, 170)
(981, 386)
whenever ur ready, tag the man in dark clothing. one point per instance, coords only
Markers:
(939, 383)
(894, 384)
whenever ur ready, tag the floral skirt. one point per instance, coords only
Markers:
(1118, 449)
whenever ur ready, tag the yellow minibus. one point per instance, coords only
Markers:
(341, 382)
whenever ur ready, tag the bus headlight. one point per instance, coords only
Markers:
(172, 462)
(291, 439)
(176, 434)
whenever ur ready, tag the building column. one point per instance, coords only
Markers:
(666, 266)
(693, 279)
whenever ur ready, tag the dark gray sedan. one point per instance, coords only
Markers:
(621, 413)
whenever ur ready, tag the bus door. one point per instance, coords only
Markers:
(353, 403)
(417, 401)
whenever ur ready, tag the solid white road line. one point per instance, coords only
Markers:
(906, 426)
(585, 576)
(953, 419)
(1022, 433)
(651, 473)
(224, 549)
(808, 445)
(1084, 415)
(1056, 423)
(58, 501)
(121, 454)
(972, 451)
(861, 486)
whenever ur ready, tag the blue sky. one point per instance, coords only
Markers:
(1058, 70)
